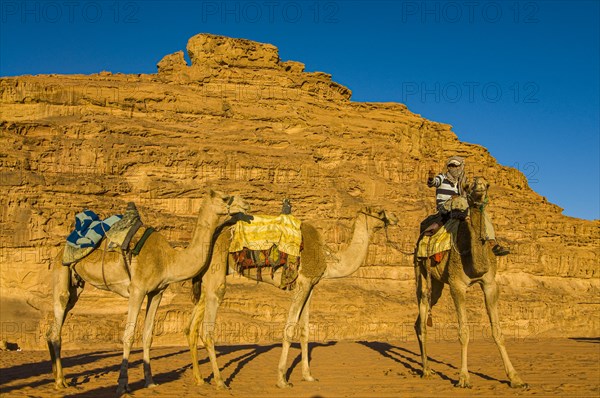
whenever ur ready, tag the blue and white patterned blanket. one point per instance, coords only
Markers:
(89, 229)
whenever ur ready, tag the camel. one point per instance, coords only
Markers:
(157, 265)
(470, 262)
(313, 268)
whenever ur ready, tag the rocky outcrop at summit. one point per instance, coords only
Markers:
(220, 51)
(241, 120)
(253, 69)
(172, 63)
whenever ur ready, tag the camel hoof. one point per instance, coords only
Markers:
(284, 384)
(122, 391)
(519, 384)
(309, 378)
(463, 384)
(427, 374)
(61, 385)
(151, 385)
(222, 386)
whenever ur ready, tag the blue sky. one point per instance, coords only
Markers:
(518, 77)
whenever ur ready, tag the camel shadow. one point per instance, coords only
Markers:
(39, 368)
(298, 358)
(77, 380)
(87, 375)
(241, 360)
(163, 378)
(593, 340)
(160, 378)
(412, 361)
(35, 369)
(256, 350)
(407, 358)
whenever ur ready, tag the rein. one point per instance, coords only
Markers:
(229, 203)
(383, 219)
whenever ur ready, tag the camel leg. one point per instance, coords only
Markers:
(490, 291)
(64, 298)
(136, 297)
(304, 318)
(458, 293)
(151, 308)
(192, 336)
(301, 293)
(214, 297)
(421, 322)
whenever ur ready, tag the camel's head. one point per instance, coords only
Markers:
(228, 204)
(379, 218)
(478, 190)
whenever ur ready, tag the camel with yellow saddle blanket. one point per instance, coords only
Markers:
(313, 264)
(469, 260)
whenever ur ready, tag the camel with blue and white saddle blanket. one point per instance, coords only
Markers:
(156, 266)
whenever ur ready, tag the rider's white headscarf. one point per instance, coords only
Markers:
(456, 174)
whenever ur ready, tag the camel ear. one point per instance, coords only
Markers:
(218, 194)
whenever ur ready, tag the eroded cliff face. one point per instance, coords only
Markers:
(240, 120)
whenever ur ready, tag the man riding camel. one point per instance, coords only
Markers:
(454, 183)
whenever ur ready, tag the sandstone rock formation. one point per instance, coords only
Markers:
(239, 119)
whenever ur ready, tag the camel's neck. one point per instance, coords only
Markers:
(187, 263)
(350, 259)
(479, 251)
(476, 223)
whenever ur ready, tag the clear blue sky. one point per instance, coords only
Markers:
(518, 77)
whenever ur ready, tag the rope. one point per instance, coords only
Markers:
(103, 253)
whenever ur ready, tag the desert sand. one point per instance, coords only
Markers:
(566, 367)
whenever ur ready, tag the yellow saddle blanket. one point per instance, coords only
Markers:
(265, 231)
(438, 242)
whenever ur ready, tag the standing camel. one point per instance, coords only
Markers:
(469, 262)
(313, 268)
(157, 265)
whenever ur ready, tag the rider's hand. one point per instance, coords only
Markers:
(430, 175)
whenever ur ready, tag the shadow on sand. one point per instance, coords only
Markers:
(75, 379)
(594, 340)
(247, 353)
(412, 360)
(255, 350)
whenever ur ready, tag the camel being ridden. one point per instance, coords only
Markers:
(313, 268)
(470, 261)
(149, 274)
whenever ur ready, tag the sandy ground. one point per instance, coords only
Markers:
(552, 367)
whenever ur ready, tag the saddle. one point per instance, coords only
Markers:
(268, 242)
(117, 235)
(434, 244)
(272, 259)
